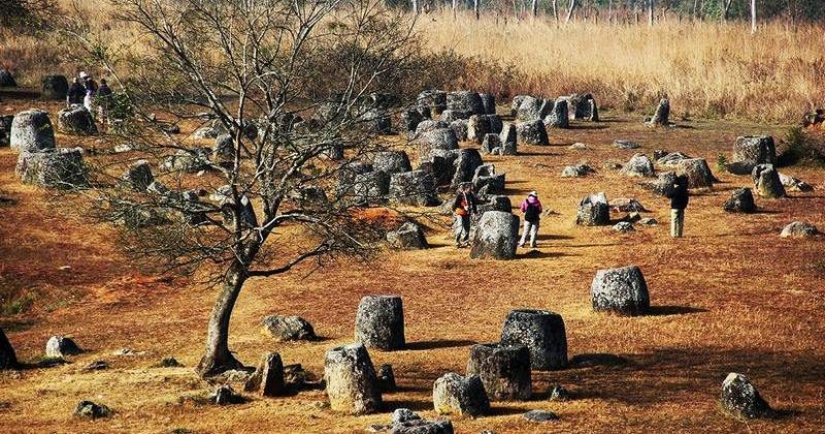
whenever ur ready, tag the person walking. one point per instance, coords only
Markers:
(463, 207)
(75, 94)
(90, 89)
(104, 100)
(679, 198)
(531, 207)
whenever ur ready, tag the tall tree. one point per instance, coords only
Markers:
(753, 16)
(570, 11)
(650, 5)
(257, 67)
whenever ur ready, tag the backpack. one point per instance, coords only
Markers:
(531, 214)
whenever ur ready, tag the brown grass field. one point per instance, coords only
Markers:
(731, 296)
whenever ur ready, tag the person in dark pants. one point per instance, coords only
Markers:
(463, 207)
(679, 198)
(531, 207)
(75, 94)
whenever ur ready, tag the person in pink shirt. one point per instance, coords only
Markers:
(531, 207)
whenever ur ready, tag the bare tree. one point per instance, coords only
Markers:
(293, 84)
(753, 16)
(476, 9)
(555, 10)
(570, 11)
(650, 6)
(535, 8)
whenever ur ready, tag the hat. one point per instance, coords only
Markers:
(83, 75)
(533, 193)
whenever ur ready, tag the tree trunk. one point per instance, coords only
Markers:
(218, 358)
(415, 7)
(650, 12)
(555, 10)
(535, 8)
(570, 11)
(726, 10)
(475, 8)
(753, 16)
(455, 9)
(609, 11)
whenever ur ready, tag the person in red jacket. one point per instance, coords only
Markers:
(531, 207)
(463, 206)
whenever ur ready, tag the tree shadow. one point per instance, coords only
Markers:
(593, 360)
(538, 254)
(593, 126)
(548, 237)
(412, 404)
(438, 344)
(507, 411)
(673, 310)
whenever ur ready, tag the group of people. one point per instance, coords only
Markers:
(84, 90)
(464, 207)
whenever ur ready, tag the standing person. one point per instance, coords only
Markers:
(90, 88)
(104, 99)
(75, 94)
(679, 198)
(531, 207)
(463, 207)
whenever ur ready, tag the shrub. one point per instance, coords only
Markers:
(800, 148)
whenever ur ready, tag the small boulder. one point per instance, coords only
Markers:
(766, 181)
(495, 236)
(740, 201)
(741, 400)
(661, 118)
(624, 227)
(8, 359)
(89, 409)
(409, 236)
(532, 133)
(799, 230)
(672, 159)
(58, 347)
(391, 162)
(541, 416)
(620, 290)
(793, 184)
(509, 139)
(625, 144)
(639, 166)
(558, 393)
(593, 210)
(62, 169)
(416, 188)
(6, 79)
(31, 131)
(139, 176)
(386, 378)
(697, 171)
(558, 117)
(423, 427)
(480, 125)
(76, 120)
(351, 383)
(269, 377)
(491, 144)
(289, 328)
(54, 87)
(460, 396)
(627, 204)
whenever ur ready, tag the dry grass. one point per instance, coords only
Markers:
(731, 296)
(707, 69)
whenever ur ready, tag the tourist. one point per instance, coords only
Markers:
(104, 100)
(531, 207)
(463, 207)
(90, 90)
(679, 198)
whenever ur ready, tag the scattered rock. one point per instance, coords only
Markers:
(54, 87)
(491, 144)
(740, 201)
(168, 362)
(495, 236)
(649, 221)
(139, 176)
(558, 117)
(639, 166)
(351, 382)
(461, 396)
(740, 400)
(543, 333)
(415, 188)
(661, 118)
(76, 120)
(593, 210)
(766, 182)
(532, 133)
(697, 171)
(403, 415)
(391, 162)
(8, 359)
(225, 395)
(558, 393)
(509, 139)
(541, 416)
(91, 410)
(624, 227)
(620, 290)
(409, 236)
(423, 427)
(751, 151)
(672, 159)
(6, 79)
(58, 347)
(504, 370)
(32, 131)
(625, 144)
(386, 378)
(289, 328)
(793, 184)
(379, 322)
(480, 125)
(627, 204)
(98, 365)
(465, 166)
(61, 168)
(799, 230)
(578, 147)
(269, 377)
